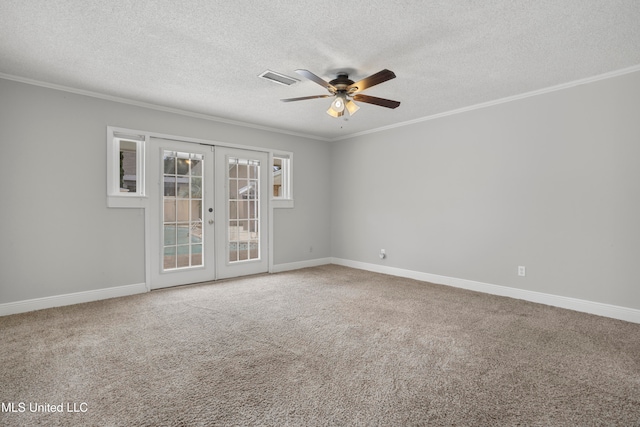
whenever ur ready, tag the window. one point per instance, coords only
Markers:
(125, 169)
(128, 165)
(282, 195)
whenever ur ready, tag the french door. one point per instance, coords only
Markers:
(207, 217)
(241, 212)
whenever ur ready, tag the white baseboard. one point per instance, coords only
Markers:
(118, 291)
(69, 299)
(600, 309)
(278, 268)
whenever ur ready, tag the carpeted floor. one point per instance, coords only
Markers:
(320, 346)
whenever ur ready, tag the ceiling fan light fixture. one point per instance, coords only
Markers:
(334, 113)
(338, 104)
(352, 107)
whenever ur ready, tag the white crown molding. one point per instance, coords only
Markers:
(155, 106)
(543, 91)
(584, 306)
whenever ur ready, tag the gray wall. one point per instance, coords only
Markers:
(58, 236)
(550, 182)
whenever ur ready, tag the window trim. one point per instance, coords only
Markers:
(116, 198)
(139, 199)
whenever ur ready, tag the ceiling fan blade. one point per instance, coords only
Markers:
(377, 101)
(372, 80)
(309, 75)
(305, 97)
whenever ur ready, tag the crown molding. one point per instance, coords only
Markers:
(155, 106)
(563, 86)
(543, 91)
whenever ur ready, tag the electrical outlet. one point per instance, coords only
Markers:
(383, 254)
(522, 271)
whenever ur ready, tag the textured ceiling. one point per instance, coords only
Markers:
(204, 56)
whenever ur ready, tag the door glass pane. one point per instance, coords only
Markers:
(196, 188)
(169, 186)
(169, 163)
(169, 258)
(169, 210)
(183, 210)
(233, 209)
(196, 167)
(169, 235)
(233, 189)
(196, 211)
(253, 210)
(182, 165)
(244, 214)
(183, 234)
(242, 170)
(182, 187)
(243, 253)
(183, 256)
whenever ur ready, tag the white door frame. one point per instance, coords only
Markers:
(151, 224)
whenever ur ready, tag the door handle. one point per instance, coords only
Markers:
(210, 221)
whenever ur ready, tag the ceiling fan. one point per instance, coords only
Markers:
(346, 91)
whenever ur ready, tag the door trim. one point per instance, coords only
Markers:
(211, 145)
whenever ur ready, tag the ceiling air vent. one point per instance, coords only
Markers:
(281, 79)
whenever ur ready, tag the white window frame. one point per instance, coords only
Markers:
(285, 199)
(138, 199)
(116, 198)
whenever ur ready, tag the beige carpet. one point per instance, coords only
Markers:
(320, 346)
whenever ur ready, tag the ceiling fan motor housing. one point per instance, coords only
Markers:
(341, 83)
